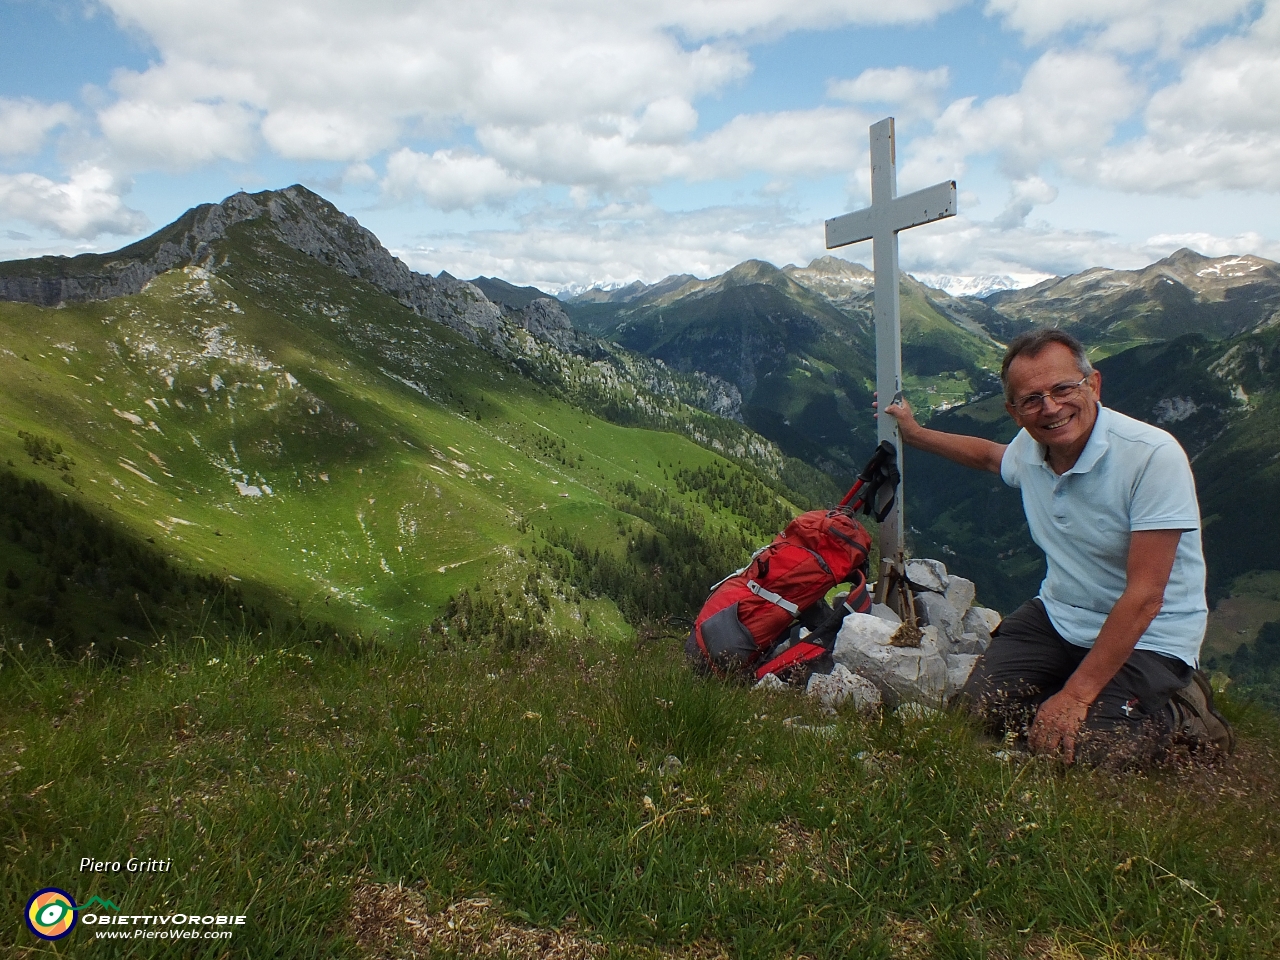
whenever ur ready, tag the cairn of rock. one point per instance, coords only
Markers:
(880, 659)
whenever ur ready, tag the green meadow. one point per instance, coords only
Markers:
(370, 801)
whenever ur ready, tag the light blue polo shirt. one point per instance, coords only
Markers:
(1130, 476)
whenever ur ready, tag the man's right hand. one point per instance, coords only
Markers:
(967, 451)
(900, 411)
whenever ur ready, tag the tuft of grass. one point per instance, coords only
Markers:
(359, 800)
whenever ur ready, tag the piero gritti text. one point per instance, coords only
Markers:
(132, 865)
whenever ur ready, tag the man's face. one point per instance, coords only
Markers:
(1062, 427)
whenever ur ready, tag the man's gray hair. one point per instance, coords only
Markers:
(1034, 341)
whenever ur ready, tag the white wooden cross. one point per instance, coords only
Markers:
(880, 224)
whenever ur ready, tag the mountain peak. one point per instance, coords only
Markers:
(1183, 255)
(830, 266)
(833, 277)
(1195, 269)
(751, 271)
(295, 216)
(303, 219)
(508, 294)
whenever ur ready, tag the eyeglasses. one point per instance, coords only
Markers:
(1033, 402)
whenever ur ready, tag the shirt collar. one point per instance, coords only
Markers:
(1093, 449)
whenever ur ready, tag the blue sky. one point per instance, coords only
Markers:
(571, 142)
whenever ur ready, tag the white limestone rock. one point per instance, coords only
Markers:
(959, 666)
(864, 628)
(975, 626)
(972, 643)
(928, 575)
(885, 612)
(980, 619)
(902, 674)
(960, 594)
(934, 610)
(770, 683)
(842, 686)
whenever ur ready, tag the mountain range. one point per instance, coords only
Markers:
(798, 345)
(261, 391)
(1188, 343)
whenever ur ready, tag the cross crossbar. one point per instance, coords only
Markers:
(901, 213)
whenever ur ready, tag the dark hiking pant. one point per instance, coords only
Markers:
(1131, 723)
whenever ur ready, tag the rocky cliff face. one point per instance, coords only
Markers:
(300, 218)
(546, 320)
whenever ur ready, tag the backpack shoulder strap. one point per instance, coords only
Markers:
(774, 598)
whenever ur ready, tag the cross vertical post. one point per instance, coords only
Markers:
(888, 319)
(880, 224)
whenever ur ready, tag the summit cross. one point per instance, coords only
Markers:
(880, 224)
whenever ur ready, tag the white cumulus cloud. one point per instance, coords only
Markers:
(450, 180)
(470, 105)
(905, 87)
(1216, 127)
(1127, 25)
(339, 81)
(1025, 195)
(306, 132)
(177, 136)
(668, 120)
(1066, 110)
(24, 123)
(823, 140)
(85, 206)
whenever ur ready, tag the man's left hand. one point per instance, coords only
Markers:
(1057, 725)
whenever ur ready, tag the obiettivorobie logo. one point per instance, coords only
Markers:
(51, 913)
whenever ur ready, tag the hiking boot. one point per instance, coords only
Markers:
(1197, 719)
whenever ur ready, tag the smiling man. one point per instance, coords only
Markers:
(1101, 665)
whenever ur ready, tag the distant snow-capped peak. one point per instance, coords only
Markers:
(981, 285)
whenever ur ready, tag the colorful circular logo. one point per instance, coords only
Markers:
(51, 913)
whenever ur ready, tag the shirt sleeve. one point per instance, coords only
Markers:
(1010, 462)
(1164, 496)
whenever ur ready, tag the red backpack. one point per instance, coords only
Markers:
(748, 613)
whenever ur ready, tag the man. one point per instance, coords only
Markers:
(1101, 665)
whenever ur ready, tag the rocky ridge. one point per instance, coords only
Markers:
(301, 219)
(535, 334)
(1185, 292)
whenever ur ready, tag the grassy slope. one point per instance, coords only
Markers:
(1254, 600)
(383, 501)
(332, 795)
